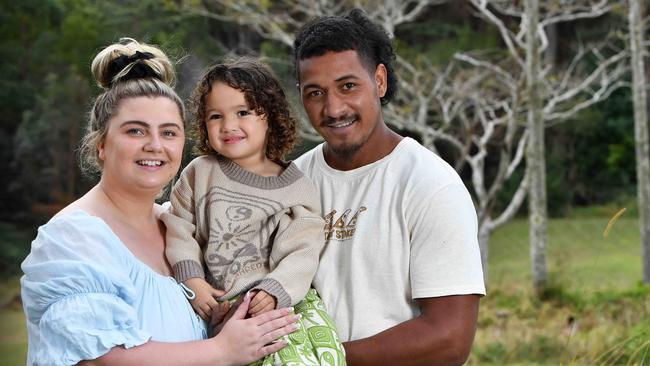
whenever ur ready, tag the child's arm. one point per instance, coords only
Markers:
(295, 251)
(204, 296)
(183, 251)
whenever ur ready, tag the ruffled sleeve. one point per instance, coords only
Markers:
(76, 292)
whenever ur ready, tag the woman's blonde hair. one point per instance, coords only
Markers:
(126, 69)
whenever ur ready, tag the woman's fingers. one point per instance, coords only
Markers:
(242, 309)
(280, 332)
(278, 327)
(273, 315)
(271, 348)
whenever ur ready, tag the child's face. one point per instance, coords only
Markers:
(234, 130)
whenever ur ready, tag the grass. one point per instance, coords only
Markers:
(596, 312)
(13, 334)
(579, 256)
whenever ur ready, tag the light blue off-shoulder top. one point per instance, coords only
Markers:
(84, 293)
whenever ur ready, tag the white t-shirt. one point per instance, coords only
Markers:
(399, 229)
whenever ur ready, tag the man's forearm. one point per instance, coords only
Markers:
(441, 335)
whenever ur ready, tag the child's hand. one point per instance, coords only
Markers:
(205, 299)
(262, 302)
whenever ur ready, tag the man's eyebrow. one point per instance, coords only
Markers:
(345, 77)
(339, 79)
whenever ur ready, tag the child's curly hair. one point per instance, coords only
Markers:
(263, 94)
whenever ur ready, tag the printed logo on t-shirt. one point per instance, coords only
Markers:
(339, 227)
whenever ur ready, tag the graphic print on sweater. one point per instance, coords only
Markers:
(237, 243)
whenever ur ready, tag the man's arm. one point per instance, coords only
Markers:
(441, 335)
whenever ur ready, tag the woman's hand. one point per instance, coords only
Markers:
(243, 341)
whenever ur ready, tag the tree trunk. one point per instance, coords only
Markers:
(641, 131)
(550, 54)
(484, 233)
(535, 159)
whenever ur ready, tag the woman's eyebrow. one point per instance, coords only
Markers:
(147, 125)
(135, 122)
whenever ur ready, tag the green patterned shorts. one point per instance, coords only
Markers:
(315, 343)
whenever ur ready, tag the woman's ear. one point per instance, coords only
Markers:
(101, 153)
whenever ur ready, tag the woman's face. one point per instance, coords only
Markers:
(143, 147)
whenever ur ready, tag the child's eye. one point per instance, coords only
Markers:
(135, 132)
(214, 116)
(169, 133)
(243, 113)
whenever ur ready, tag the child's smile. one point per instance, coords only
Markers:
(234, 130)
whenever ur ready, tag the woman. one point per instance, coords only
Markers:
(97, 286)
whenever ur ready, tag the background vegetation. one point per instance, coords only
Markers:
(595, 312)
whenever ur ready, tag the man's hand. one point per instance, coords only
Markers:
(205, 297)
(261, 303)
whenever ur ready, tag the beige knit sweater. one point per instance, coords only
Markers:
(250, 231)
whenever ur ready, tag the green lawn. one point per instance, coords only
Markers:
(596, 313)
(596, 284)
(13, 334)
(579, 256)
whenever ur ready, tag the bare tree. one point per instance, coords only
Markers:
(473, 113)
(447, 106)
(474, 108)
(553, 93)
(535, 157)
(639, 89)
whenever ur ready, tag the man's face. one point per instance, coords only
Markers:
(341, 98)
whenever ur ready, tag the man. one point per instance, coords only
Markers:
(401, 271)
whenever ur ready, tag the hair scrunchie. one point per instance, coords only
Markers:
(138, 71)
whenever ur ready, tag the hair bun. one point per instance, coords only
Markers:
(127, 60)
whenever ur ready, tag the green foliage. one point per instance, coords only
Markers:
(558, 191)
(636, 346)
(437, 41)
(21, 50)
(46, 139)
(557, 293)
(46, 86)
(492, 353)
(14, 247)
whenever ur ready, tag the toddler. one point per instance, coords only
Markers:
(242, 219)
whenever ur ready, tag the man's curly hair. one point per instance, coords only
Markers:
(263, 94)
(354, 31)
